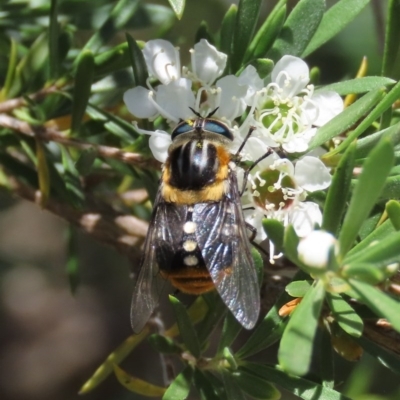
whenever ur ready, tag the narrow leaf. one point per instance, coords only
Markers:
(295, 350)
(393, 211)
(334, 20)
(392, 34)
(53, 39)
(137, 385)
(227, 29)
(115, 357)
(256, 386)
(338, 193)
(300, 387)
(122, 12)
(81, 93)
(180, 387)
(295, 34)
(298, 288)
(178, 6)
(369, 186)
(230, 331)
(138, 63)
(206, 389)
(275, 232)
(246, 21)
(380, 303)
(358, 85)
(345, 315)
(186, 328)
(382, 232)
(12, 63)
(233, 391)
(386, 102)
(267, 33)
(346, 119)
(43, 173)
(382, 252)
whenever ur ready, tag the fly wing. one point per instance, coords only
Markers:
(225, 247)
(160, 246)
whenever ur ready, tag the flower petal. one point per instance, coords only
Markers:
(232, 98)
(311, 174)
(176, 98)
(304, 216)
(162, 60)
(207, 62)
(138, 103)
(291, 74)
(250, 78)
(315, 249)
(329, 104)
(159, 143)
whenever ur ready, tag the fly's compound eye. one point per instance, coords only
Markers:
(213, 126)
(183, 127)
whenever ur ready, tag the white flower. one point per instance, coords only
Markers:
(278, 189)
(207, 62)
(287, 110)
(316, 248)
(162, 60)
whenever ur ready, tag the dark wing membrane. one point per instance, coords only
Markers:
(225, 247)
(160, 245)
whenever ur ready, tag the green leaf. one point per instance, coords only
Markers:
(164, 344)
(334, 20)
(81, 93)
(246, 21)
(112, 60)
(230, 331)
(290, 244)
(338, 193)
(85, 161)
(392, 34)
(295, 34)
(137, 385)
(53, 39)
(267, 33)
(186, 328)
(256, 386)
(233, 391)
(138, 63)
(178, 6)
(275, 232)
(11, 70)
(203, 32)
(114, 358)
(264, 66)
(366, 144)
(369, 186)
(380, 108)
(300, 387)
(180, 387)
(346, 119)
(43, 173)
(71, 179)
(204, 386)
(227, 29)
(380, 303)
(393, 211)
(392, 188)
(121, 13)
(345, 315)
(382, 252)
(387, 358)
(327, 370)
(298, 288)
(295, 350)
(365, 272)
(358, 85)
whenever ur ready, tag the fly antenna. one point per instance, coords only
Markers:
(195, 112)
(212, 113)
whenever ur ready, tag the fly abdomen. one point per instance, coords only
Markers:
(193, 165)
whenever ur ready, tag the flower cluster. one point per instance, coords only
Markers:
(285, 112)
